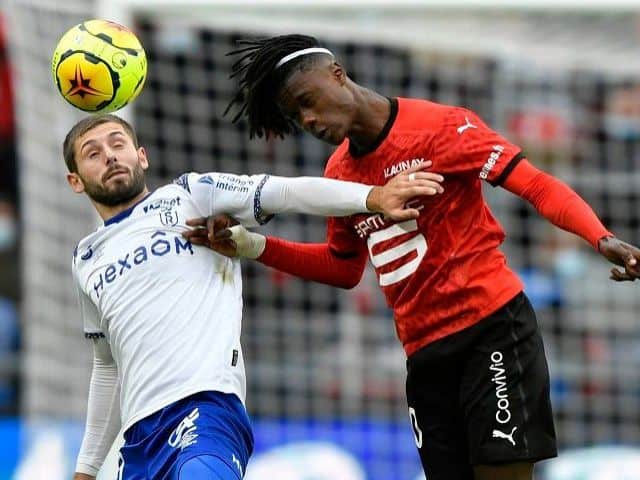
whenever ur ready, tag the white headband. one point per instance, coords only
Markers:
(299, 53)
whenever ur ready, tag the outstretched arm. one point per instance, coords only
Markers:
(563, 207)
(314, 261)
(317, 262)
(334, 198)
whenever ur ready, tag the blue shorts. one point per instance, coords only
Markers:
(206, 436)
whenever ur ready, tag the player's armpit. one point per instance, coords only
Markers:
(314, 261)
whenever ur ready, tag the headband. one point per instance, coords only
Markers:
(299, 53)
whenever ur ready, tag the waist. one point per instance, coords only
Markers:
(431, 314)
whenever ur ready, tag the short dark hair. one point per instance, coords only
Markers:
(260, 81)
(82, 127)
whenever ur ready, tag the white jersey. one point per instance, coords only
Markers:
(170, 311)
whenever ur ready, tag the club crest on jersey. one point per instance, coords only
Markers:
(169, 218)
(402, 166)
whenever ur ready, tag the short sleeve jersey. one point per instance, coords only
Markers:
(444, 271)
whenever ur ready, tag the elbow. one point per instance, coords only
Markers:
(349, 280)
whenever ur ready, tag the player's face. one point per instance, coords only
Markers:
(320, 102)
(110, 167)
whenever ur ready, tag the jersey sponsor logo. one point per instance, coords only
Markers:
(503, 414)
(236, 462)
(162, 204)
(160, 244)
(402, 166)
(232, 183)
(506, 436)
(185, 433)
(464, 127)
(491, 161)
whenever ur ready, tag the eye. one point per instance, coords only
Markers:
(306, 102)
(118, 145)
(93, 154)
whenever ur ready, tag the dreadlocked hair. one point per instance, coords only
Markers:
(260, 81)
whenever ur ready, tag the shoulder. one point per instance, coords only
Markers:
(335, 164)
(419, 112)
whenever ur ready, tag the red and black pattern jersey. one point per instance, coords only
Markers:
(442, 272)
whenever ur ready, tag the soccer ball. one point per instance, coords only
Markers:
(99, 66)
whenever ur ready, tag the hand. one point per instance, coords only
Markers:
(212, 232)
(224, 235)
(391, 198)
(83, 476)
(623, 254)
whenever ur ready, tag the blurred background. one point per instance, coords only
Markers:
(325, 369)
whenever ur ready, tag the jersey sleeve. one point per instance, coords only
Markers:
(88, 311)
(342, 240)
(236, 195)
(465, 144)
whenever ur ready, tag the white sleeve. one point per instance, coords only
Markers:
(103, 411)
(254, 199)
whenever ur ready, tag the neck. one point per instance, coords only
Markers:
(107, 211)
(373, 111)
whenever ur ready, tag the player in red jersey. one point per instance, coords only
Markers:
(478, 382)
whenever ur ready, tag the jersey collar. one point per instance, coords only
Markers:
(125, 213)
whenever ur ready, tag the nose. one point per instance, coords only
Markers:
(111, 157)
(308, 120)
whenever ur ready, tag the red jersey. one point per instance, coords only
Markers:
(442, 272)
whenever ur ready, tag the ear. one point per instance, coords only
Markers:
(75, 182)
(338, 73)
(142, 158)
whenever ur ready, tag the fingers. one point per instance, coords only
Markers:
(197, 222)
(435, 177)
(620, 276)
(195, 234)
(424, 189)
(401, 215)
(417, 168)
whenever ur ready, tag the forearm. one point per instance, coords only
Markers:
(557, 202)
(314, 196)
(313, 261)
(103, 416)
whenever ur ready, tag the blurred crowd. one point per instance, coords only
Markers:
(9, 226)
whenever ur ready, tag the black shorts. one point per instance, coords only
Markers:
(481, 396)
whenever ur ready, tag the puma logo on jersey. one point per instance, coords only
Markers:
(509, 437)
(467, 125)
(401, 167)
(185, 433)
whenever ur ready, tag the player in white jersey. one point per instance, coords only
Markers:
(164, 315)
